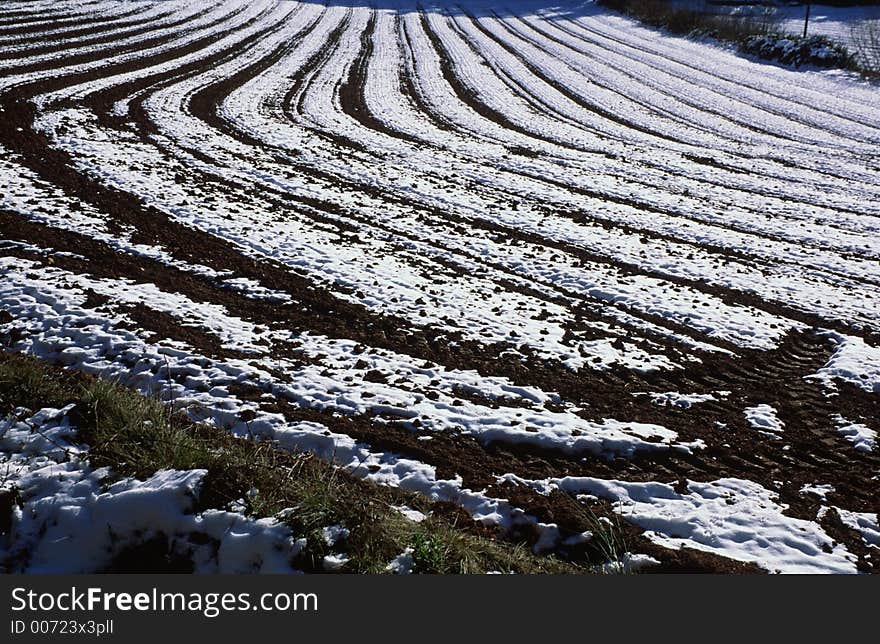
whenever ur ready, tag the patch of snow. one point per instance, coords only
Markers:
(730, 517)
(409, 513)
(866, 523)
(863, 438)
(676, 399)
(334, 533)
(70, 521)
(402, 564)
(628, 563)
(764, 419)
(577, 539)
(854, 361)
(335, 562)
(818, 490)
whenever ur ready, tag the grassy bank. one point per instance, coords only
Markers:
(137, 436)
(757, 35)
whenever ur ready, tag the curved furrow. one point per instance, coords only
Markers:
(682, 169)
(706, 98)
(35, 28)
(538, 78)
(639, 71)
(819, 237)
(567, 87)
(35, 14)
(370, 123)
(850, 98)
(67, 43)
(88, 64)
(644, 205)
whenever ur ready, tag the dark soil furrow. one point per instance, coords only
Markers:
(32, 28)
(98, 36)
(89, 57)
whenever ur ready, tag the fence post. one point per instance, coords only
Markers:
(807, 19)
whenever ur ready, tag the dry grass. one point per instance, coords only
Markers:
(744, 32)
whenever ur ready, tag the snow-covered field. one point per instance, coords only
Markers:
(498, 250)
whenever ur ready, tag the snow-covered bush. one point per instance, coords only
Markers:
(795, 50)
